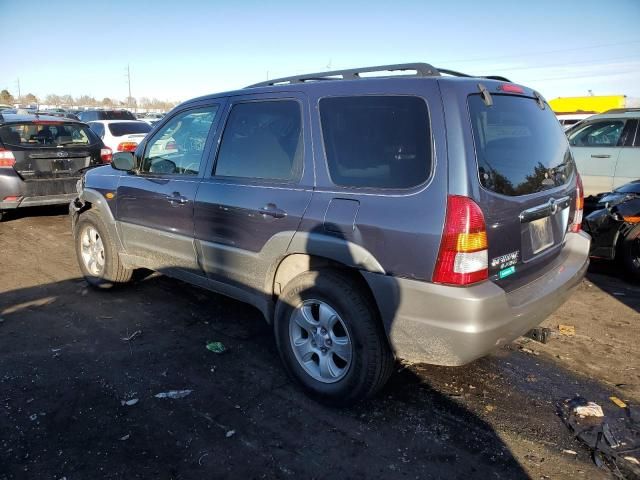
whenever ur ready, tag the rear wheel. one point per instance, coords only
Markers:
(330, 338)
(2, 214)
(97, 253)
(630, 249)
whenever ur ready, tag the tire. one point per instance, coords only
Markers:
(630, 249)
(329, 298)
(103, 268)
(2, 214)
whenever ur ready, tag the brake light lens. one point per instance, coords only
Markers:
(509, 88)
(463, 258)
(171, 146)
(7, 160)
(106, 154)
(127, 146)
(576, 226)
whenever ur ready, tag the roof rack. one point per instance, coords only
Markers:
(623, 110)
(421, 70)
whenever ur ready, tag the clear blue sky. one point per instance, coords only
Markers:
(185, 48)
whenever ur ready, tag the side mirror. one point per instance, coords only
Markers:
(123, 161)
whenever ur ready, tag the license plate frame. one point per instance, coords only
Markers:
(541, 234)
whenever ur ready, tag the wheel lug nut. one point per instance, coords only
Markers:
(328, 342)
(323, 331)
(323, 350)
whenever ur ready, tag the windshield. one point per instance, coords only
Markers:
(50, 134)
(521, 149)
(127, 128)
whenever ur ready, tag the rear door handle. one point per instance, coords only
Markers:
(272, 210)
(600, 156)
(177, 199)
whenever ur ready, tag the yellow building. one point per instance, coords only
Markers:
(590, 104)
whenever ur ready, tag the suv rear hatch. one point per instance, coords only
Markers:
(527, 180)
(49, 154)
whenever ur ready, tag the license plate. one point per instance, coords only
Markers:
(541, 234)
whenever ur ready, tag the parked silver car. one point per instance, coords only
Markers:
(606, 149)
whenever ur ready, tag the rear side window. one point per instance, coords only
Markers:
(521, 149)
(49, 134)
(128, 128)
(116, 115)
(376, 141)
(262, 140)
(602, 133)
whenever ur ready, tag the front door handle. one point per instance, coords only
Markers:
(271, 210)
(177, 199)
(600, 156)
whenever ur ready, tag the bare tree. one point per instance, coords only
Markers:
(6, 97)
(52, 99)
(29, 99)
(66, 100)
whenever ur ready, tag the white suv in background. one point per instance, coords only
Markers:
(120, 135)
(606, 149)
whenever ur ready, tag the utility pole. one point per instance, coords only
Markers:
(19, 93)
(129, 82)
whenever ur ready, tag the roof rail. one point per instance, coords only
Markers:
(623, 110)
(421, 69)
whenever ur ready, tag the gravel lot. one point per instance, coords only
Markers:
(65, 371)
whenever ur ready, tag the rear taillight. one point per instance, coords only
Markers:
(577, 216)
(463, 258)
(127, 146)
(7, 160)
(106, 154)
(171, 146)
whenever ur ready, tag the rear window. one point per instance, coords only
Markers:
(116, 115)
(520, 148)
(127, 128)
(376, 141)
(50, 134)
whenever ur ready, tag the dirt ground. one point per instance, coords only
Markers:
(65, 371)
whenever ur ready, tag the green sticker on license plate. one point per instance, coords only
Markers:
(506, 272)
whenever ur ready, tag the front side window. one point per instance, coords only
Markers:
(262, 140)
(603, 133)
(376, 141)
(177, 147)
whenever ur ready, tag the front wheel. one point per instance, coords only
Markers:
(330, 338)
(630, 249)
(97, 253)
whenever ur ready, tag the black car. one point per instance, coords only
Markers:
(615, 227)
(92, 115)
(41, 159)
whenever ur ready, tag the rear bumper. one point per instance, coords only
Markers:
(35, 192)
(446, 325)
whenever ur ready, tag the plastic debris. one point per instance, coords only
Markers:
(174, 394)
(618, 402)
(216, 347)
(567, 330)
(230, 433)
(33, 417)
(570, 452)
(129, 403)
(591, 409)
(132, 336)
(614, 440)
(126, 437)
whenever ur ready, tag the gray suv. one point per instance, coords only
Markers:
(427, 215)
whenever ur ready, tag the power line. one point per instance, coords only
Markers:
(520, 55)
(588, 62)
